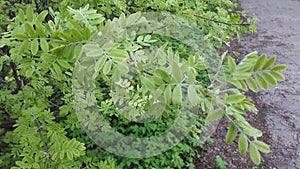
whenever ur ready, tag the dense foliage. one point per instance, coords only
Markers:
(40, 43)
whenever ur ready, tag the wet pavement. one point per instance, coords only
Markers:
(278, 26)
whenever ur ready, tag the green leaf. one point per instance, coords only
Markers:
(243, 143)
(261, 146)
(148, 83)
(21, 36)
(64, 64)
(177, 95)
(168, 94)
(70, 155)
(100, 63)
(140, 39)
(236, 83)
(98, 52)
(21, 15)
(193, 95)
(245, 67)
(29, 13)
(158, 81)
(234, 99)
(277, 75)
(176, 72)
(147, 38)
(76, 34)
(253, 132)
(44, 45)
(29, 72)
(62, 155)
(248, 62)
(242, 75)
(41, 17)
(40, 29)
(34, 46)
(252, 84)
(261, 82)
(29, 29)
(269, 78)
(251, 55)
(58, 71)
(24, 46)
(107, 67)
(21, 164)
(243, 85)
(132, 19)
(231, 134)
(214, 115)
(59, 42)
(279, 67)
(254, 154)
(66, 36)
(87, 34)
(269, 63)
(164, 75)
(118, 53)
(260, 62)
(231, 64)
(191, 75)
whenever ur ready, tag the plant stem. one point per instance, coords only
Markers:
(15, 74)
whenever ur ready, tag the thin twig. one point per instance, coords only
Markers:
(15, 74)
(39, 126)
(37, 123)
(214, 20)
(221, 22)
(53, 104)
(4, 110)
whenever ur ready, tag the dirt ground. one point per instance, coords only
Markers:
(278, 25)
